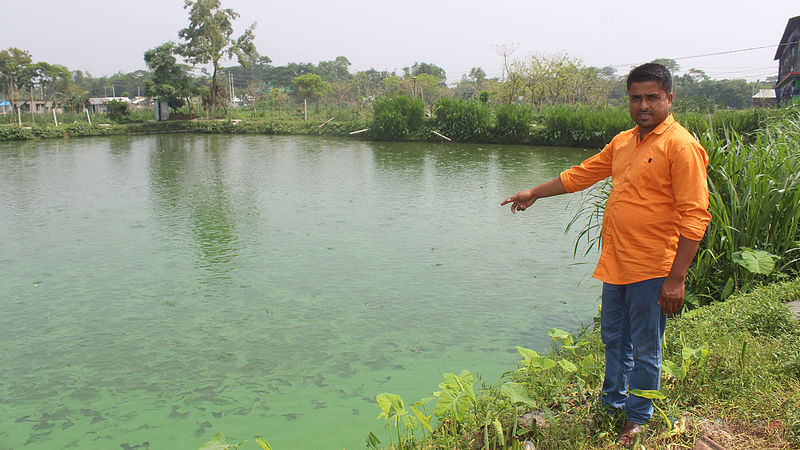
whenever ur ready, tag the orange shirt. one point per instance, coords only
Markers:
(660, 192)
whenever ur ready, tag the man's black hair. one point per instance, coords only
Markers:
(651, 72)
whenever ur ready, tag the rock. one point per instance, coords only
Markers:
(706, 443)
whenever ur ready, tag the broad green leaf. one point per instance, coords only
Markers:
(264, 444)
(373, 440)
(527, 354)
(217, 442)
(651, 394)
(409, 422)
(557, 334)
(390, 404)
(671, 369)
(689, 353)
(728, 289)
(462, 381)
(568, 366)
(424, 420)
(755, 261)
(517, 393)
(424, 401)
(543, 363)
(498, 431)
(589, 362)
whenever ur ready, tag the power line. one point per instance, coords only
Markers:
(726, 52)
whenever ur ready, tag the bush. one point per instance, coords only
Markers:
(118, 110)
(12, 133)
(581, 126)
(396, 117)
(463, 120)
(513, 123)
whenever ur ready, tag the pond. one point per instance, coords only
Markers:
(159, 289)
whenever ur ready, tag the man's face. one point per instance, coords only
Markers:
(649, 104)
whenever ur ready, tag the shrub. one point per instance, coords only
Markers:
(11, 133)
(396, 117)
(463, 120)
(582, 126)
(513, 123)
(118, 110)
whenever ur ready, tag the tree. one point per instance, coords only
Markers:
(171, 81)
(42, 74)
(395, 85)
(13, 63)
(429, 87)
(70, 93)
(470, 85)
(209, 37)
(336, 70)
(670, 64)
(310, 87)
(422, 67)
(276, 96)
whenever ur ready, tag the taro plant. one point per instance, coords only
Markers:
(689, 356)
(517, 394)
(394, 412)
(678, 427)
(218, 442)
(456, 398)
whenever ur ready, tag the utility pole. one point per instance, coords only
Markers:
(113, 91)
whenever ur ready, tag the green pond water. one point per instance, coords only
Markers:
(156, 290)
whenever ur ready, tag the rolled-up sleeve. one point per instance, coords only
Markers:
(690, 186)
(589, 172)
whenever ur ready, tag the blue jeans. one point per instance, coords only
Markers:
(632, 327)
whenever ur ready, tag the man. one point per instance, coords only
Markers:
(654, 219)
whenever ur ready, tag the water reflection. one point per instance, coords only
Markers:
(188, 179)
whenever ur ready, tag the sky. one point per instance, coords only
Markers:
(105, 37)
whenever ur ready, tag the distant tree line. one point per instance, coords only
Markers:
(536, 80)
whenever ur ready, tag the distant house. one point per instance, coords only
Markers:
(39, 106)
(5, 106)
(788, 55)
(98, 104)
(764, 98)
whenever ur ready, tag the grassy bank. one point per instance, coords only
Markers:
(223, 126)
(731, 373)
(402, 118)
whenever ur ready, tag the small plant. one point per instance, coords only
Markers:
(394, 412)
(218, 442)
(689, 356)
(456, 397)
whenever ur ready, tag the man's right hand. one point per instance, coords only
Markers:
(520, 201)
(524, 199)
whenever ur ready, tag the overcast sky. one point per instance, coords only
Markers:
(104, 37)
